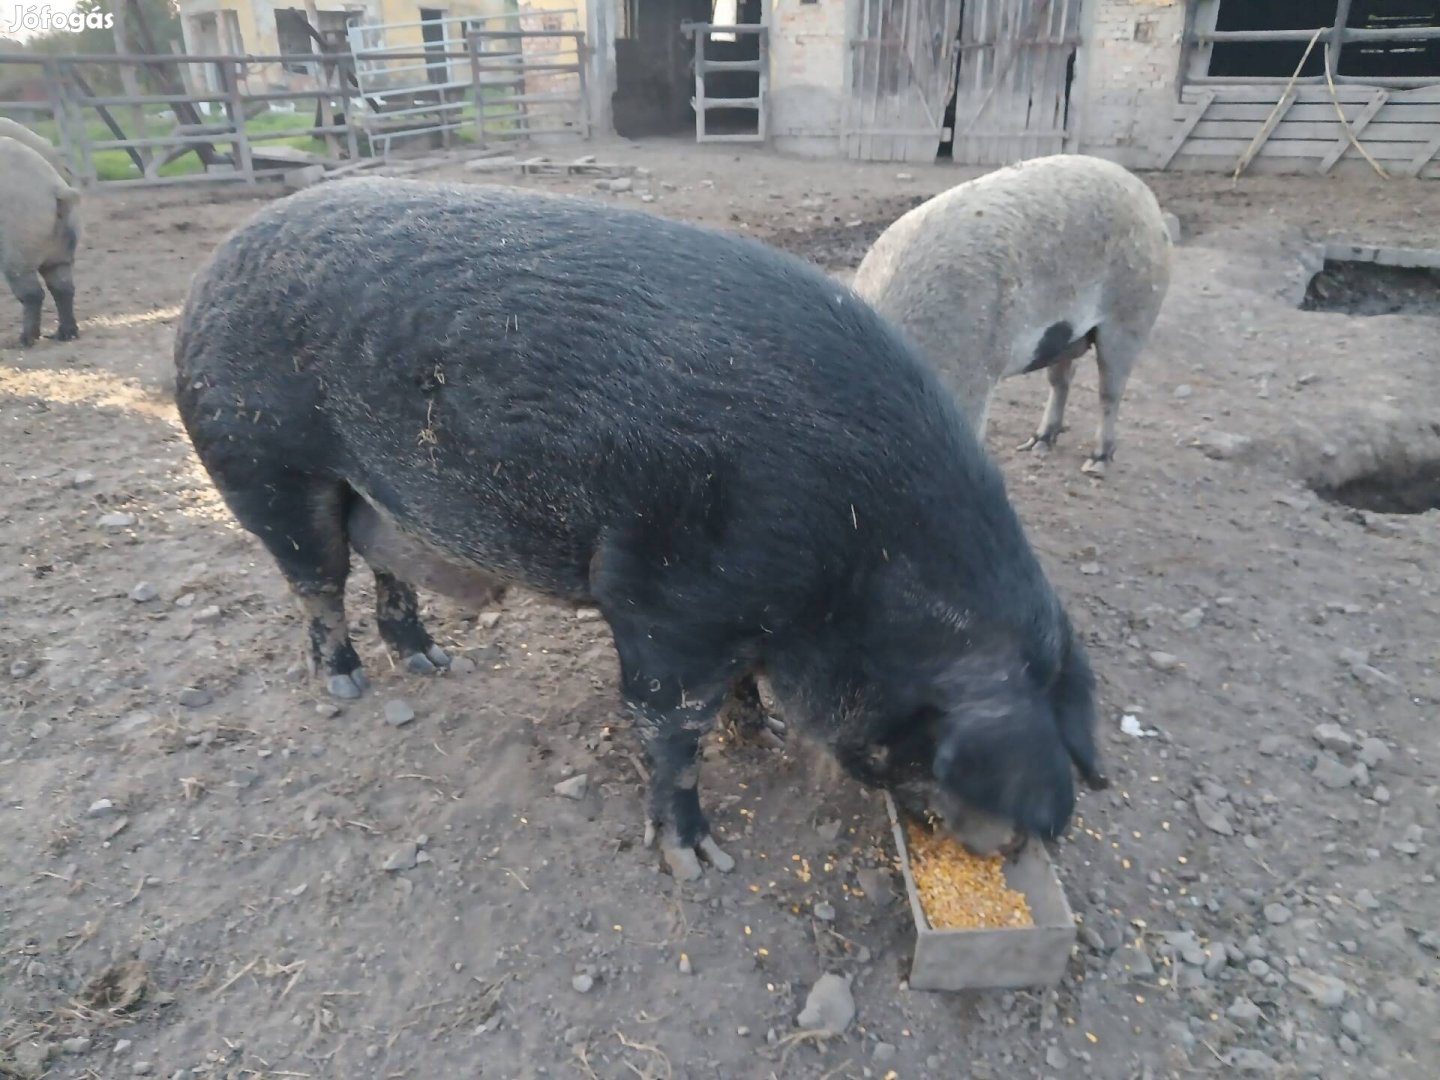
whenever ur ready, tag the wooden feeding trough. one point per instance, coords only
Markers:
(1010, 958)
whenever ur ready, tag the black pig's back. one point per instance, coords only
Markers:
(517, 377)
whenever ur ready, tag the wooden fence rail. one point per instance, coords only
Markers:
(208, 105)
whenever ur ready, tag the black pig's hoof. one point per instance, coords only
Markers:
(1095, 467)
(428, 662)
(684, 862)
(347, 687)
(66, 333)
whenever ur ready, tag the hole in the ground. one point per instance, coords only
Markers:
(1412, 489)
(1371, 288)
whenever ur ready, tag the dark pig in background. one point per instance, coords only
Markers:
(737, 461)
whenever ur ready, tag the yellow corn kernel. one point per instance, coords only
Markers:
(960, 891)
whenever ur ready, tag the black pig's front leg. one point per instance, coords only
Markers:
(674, 700)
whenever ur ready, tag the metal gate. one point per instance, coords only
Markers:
(1012, 90)
(900, 70)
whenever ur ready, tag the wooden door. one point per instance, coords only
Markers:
(1012, 86)
(900, 68)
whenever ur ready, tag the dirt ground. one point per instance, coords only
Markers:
(194, 878)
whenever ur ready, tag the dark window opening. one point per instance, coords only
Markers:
(1392, 59)
(1276, 59)
(1368, 59)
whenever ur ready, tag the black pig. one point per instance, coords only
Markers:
(744, 467)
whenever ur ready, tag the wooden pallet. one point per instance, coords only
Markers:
(584, 166)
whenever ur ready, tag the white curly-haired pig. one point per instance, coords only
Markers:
(1025, 268)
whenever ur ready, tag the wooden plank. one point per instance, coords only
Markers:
(1198, 109)
(1357, 125)
(1417, 164)
(1313, 149)
(1319, 129)
(761, 121)
(1264, 93)
(1258, 142)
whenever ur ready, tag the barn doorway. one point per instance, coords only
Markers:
(653, 81)
(1014, 70)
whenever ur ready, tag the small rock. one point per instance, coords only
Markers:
(1134, 962)
(575, 787)
(904, 176)
(883, 1052)
(824, 911)
(405, 857)
(620, 183)
(1278, 914)
(489, 620)
(1347, 1045)
(1373, 752)
(647, 198)
(116, 521)
(1172, 226)
(1393, 1011)
(208, 614)
(582, 983)
(1055, 1058)
(327, 709)
(587, 614)
(462, 665)
(100, 808)
(142, 1068)
(1244, 1012)
(1213, 817)
(1223, 445)
(144, 593)
(829, 1006)
(1328, 991)
(1188, 977)
(1366, 899)
(1216, 962)
(1192, 618)
(77, 1045)
(1092, 938)
(82, 478)
(122, 1045)
(1090, 569)
(30, 1058)
(1333, 737)
(1351, 1024)
(1381, 794)
(398, 713)
(1273, 745)
(1330, 773)
(1258, 968)
(685, 966)
(1245, 1060)
(193, 697)
(1164, 661)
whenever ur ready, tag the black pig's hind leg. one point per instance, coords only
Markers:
(300, 519)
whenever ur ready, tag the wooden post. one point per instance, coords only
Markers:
(472, 46)
(700, 34)
(131, 84)
(230, 79)
(582, 58)
(762, 89)
(317, 73)
(55, 93)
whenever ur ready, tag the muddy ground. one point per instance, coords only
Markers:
(194, 884)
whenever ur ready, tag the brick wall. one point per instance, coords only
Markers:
(1127, 76)
(807, 75)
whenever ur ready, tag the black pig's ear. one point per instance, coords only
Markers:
(996, 747)
(1072, 696)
